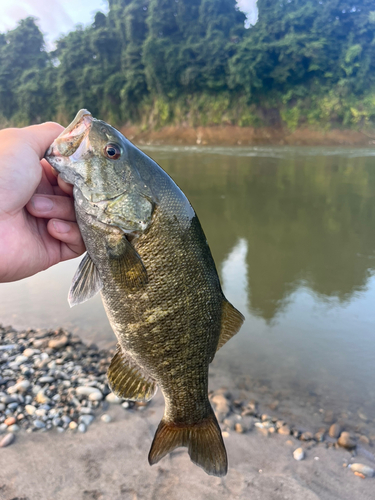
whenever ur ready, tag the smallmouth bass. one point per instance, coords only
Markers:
(148, 256)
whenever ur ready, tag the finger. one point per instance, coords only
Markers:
(52, 206)
(44, 186)
(68, 233)
(40, 137)
(67, 188)
(50, 173)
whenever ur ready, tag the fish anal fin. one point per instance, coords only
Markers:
(126, 265)
(203, 440)
(231, 322)
(86, 282)
(127, 380)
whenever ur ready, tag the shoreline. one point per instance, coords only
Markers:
(52, 377)
(233, 135)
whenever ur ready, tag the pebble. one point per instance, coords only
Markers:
(41, 398)
(10, 421)
(20, 359)
(362, 469)
(39, 424)
(58, 343)
(7, 440)
(106, 418)
(284, 430)
(46, 380)
(3, 428)
(87, 391)
(30, 409)
(81, 428)
(334, 431)
(113, 399)
(364, 440)
(319, 436)
(346, 441)
(221, 404)
(2, 406)
(19, 387)
(29, 352)
(96, 396)
(86, 419)
(73, 425)
(14, 428)
(306, 436)
(298, 454)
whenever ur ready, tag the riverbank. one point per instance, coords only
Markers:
(97, 445)
(231, 135)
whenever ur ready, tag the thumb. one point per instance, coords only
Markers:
(40, 137)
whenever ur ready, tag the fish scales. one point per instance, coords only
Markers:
(148, 256)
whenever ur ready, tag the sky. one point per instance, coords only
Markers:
(58, 17)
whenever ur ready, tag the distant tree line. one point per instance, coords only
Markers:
(156, 62)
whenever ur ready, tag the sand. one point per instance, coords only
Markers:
(109, 462)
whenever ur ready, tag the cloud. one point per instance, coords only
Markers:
(249, 7)
(55, 17)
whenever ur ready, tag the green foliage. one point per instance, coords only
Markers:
(159, 62)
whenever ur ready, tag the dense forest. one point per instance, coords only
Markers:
(158, 62)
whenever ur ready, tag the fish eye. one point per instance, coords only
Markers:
(112, 151)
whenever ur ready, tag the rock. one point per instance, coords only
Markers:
(96, 396)
(284, 430)
(46, 380)
(73, 425)
(363, 416)
(28, 352)
(364, 440)
(7, 440)
(126, 405)
(3, 428)
(30, 409)
(19, 387)
(230, 423)
(40, 412)
(334, 431)
(20, 359)
(238, 427)
(39, 424)
(58, 343)
(346, 441)
(10, 421)
(362, 469)
(2, 406)
(113, 399)
(60, 429)
(82, 428)
(86, 419)
(289, 442)
(265, 417)
(41, 398)
(85, 411)
(263, 430)
(306, 436)
(298, 454)
(319, 436)
(106, 418)
(57, 422)
(221, 404)
(84, 390)
(14, 428)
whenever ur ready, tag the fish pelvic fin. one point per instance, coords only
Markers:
(86, 282)
(231, 322)
(203, 440)
(127, 380)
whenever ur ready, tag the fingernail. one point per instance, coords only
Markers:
(42, 203)
(61, 227)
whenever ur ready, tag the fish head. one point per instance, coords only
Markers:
(94, 157)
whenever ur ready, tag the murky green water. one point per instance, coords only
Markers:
(292, 231)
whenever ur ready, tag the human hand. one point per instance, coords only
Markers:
(37, 221)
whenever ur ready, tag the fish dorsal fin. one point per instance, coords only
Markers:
(126, 265)
(86, 282)
(231, 322)
(127, 380)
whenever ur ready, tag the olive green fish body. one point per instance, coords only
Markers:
(148, 255)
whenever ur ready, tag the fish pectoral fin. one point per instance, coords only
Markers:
(86, 282)
(231, 322)
(126, 265)
(203, 440)
(127, 380)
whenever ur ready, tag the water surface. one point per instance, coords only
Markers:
(292, 231)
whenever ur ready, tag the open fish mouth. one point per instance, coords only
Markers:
(70, 139)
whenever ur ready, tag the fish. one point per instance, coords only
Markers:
(149, 258)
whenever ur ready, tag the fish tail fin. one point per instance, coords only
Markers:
(203, 440)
